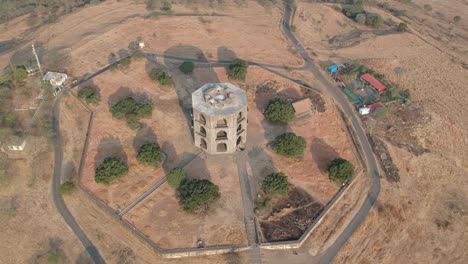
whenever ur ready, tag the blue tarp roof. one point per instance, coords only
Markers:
(333, 68)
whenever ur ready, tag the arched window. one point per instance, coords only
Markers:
(239, 128)
(202, 131)
(202, 143)
(221, 135)
(239, 140)
(202, 119)
(221, 123)
(221, 147)
(239, 117)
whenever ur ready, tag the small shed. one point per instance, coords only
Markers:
(374, 82)
(55, 78)
(302, 107)
(14, 143)
(364, 110)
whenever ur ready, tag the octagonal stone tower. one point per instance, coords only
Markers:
(219, 118)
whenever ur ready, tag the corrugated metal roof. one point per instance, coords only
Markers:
(374, 82)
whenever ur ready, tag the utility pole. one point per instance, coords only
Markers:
(37, 59)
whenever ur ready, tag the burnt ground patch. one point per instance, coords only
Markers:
(290, 216)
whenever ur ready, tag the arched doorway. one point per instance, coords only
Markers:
(221, 147)
(239, 128)
(239, 117)
(202, 131)
(202, 119)
(203, 143)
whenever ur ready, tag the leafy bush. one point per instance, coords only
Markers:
(132, 122)
(90, 94)
(263, 204)
(289, 144)
(138, 55)
(161, 76)
(275, 183)
(353, 11)
(111, 168)
(405, 1)
(374, 20)
(427, 7)
(402, 27)
(128, 107)
(126, 61)
(151, 154)
(20, 74)
(167, 6)
(405, 94)
(292, 28)
(238, 69)
(340, 170)
(456, 19)
(67, 188)
(361, 18)
(175, 177)
(187, 67)
(279, 110)
(197, 195)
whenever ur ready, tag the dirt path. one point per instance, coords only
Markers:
(58, 200)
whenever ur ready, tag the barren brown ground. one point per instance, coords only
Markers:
(161, 219)
(422, 216)
(112, 137)
(32, 228)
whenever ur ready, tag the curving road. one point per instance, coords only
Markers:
(57, 197)
(369, 157)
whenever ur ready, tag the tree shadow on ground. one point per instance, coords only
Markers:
(226, 54)
(68, 171)
(186, 84)
(109, 147)
(144, 135)
(322, 153)
(198, 169)
(261, 164)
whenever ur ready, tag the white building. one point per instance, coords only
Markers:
(55, 78)
(15, 143)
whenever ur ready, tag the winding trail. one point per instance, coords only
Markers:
(57, 197)
(353, 119)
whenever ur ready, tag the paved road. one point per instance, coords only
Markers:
(249, 214)
(343, 103)
(57, 197)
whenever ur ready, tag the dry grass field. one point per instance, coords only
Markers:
(161, 219)
(422, 218)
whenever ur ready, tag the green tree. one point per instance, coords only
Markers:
(161, 76)
(198, 195)
(10, 119)
(374, 20)
(167, 6)
(90, 94)
(427, 7)
(187, 67)
(340, 170)
(175, 177)
(289, 144)
(353, 11)
(126, 61)
(279, 110)
(238, 69)
(361, 18)
(110, 169)
(456, 19)
(402, 27)
(20, 74)
(132, 122)
(275, 183)
(128, 106)
(67, 188)
(150, 154)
